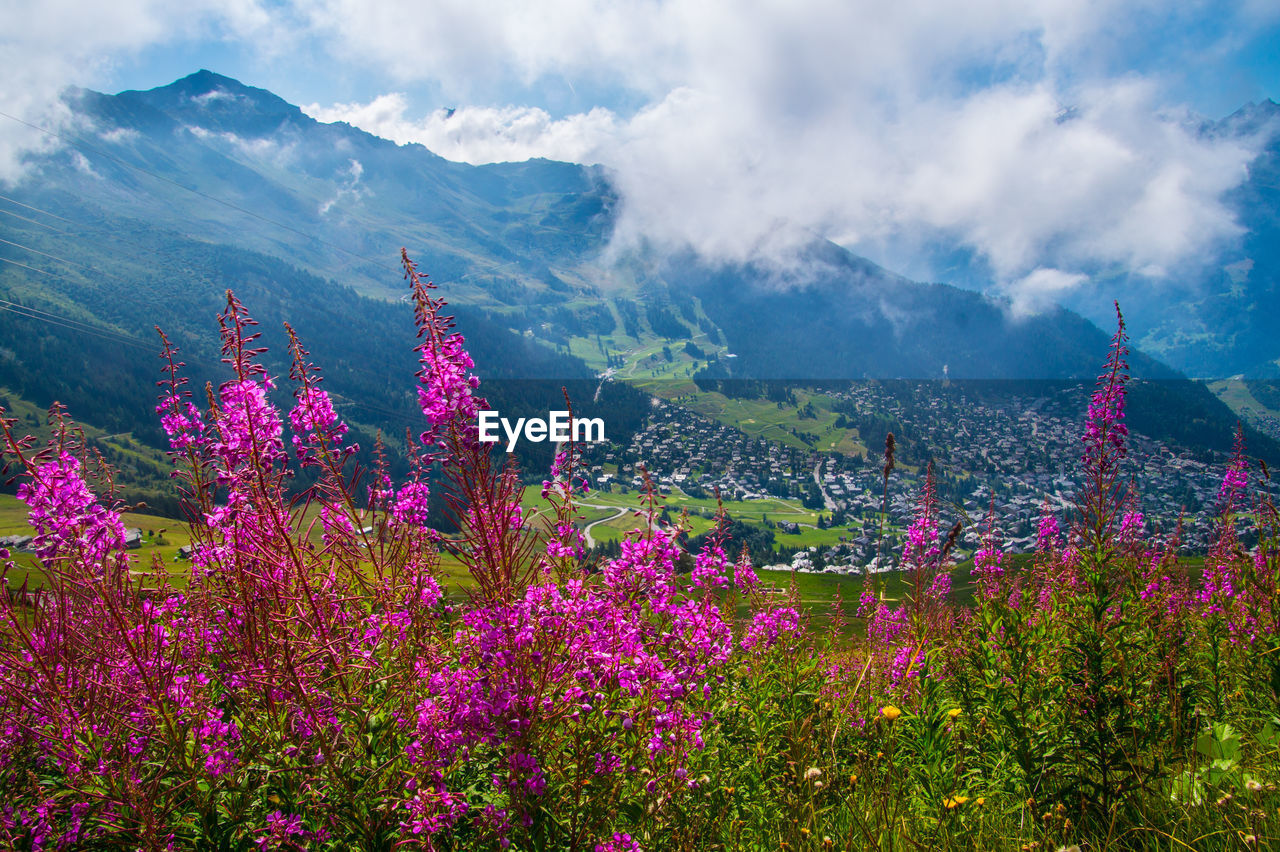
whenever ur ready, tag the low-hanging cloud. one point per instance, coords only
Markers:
(480, 134)
(1007, 171)
(1021, 132)
(47, 46)
(349, 188)
(999, 126)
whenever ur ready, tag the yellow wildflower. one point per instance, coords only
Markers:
(953, 712)
(890, 712)
(954, 801)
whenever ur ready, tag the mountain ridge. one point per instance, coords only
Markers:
(223, 164)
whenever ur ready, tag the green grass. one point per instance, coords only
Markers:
(1235, 394)
(761, 418)
(645, 366)
(701, 512)
(161, 538)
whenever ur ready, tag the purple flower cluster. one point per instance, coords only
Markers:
(182, 422)
(248, 425)
(619, 842)
(412, 504)
(769, 626)
(67, 518)
(445, 390)
(313, 653)
(315, 424)
(445, 381)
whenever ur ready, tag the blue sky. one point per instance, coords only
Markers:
(1211, 57)
(1050, 139)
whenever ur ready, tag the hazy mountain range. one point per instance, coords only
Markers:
(159, 200)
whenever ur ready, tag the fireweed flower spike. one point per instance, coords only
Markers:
(1222, 588)
(317, 430)
(1101, 500)
(310, 685)
(481, 492)
(987, 567)
(445, 383)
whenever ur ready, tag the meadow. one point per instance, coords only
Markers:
(326, 680)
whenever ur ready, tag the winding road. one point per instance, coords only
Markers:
(586, 531)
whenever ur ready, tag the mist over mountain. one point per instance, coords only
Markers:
(516, 238)
(164, 198)
(1221, 318)
(1213, 316)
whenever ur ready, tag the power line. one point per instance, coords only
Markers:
(34, 222)
(37, 314)
(89, 326)
(132, 340)
(51, 256)
(13, 308)
(348, 369)
(32, 268)
(36, 209)
(144, 251)
(77, 326)
(61, 321)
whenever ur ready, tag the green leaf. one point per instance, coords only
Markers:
(1221, 742)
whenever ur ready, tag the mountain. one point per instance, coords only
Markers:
(856, 320)
(334, 198)
(225, 163)
(162, 199)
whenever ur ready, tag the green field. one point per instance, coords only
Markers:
(760, 418)
(1235, 393)
(646, 368)
(161, 539)
(602, 505)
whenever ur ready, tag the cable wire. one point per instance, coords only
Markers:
(36, 209)
(12, 308)
(34, 222)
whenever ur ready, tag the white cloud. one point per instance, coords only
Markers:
(1018, 130)
(480, 134)
(46, 46)
(275, 151)
(1002, 170)
(350, 188)
(82, 165)
(996, 124)
(1040, 289)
